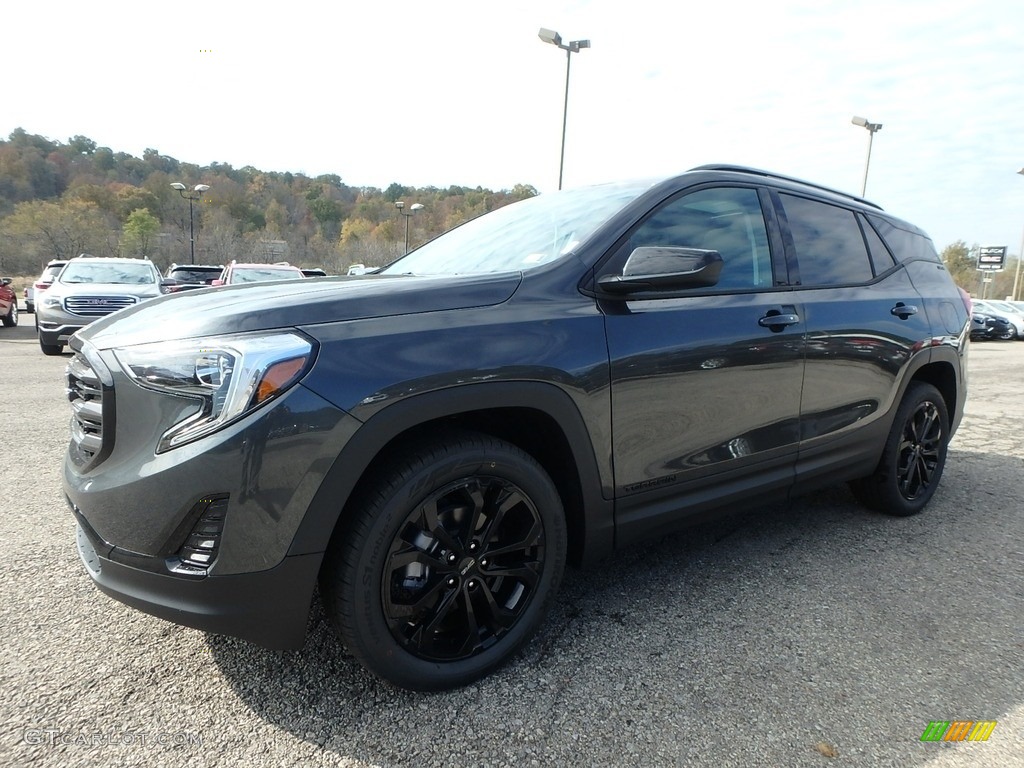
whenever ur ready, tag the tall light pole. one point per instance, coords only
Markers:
(550, 36)
(198, 189)
(1020, 257)
(412, 212)
(872, 129)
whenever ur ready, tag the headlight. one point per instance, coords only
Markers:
(50, 301)
(228, 376)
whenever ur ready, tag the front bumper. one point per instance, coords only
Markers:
(265, 608)
(199, 535)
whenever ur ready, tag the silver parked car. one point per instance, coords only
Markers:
(88, 288)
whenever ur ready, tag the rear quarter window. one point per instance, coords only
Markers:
(905, 245)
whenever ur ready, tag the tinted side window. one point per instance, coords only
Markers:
(880, 255)
(829, 245)
(724, 219)
(905, 245)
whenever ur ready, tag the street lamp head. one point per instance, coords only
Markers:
(416, 207)
(863, 122)
(550, 36)
(576, 45)
(201, 188)
(399, 204)
(1021, 171)
(178, 186)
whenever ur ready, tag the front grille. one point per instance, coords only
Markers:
(85, 392)
(97, 306)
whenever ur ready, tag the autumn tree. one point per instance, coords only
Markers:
(45, 230)
(960, 264)
(139, 234)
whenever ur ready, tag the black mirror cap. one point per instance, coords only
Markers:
(663, 268)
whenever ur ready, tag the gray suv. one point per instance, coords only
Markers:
(433, 443)
(90, 287)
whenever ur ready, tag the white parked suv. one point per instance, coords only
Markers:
(88, 288)
(35, 290)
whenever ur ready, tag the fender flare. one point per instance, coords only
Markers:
(325, 510)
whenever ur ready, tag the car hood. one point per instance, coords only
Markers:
(291, 303)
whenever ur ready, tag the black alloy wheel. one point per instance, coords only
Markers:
(453, 555)
(920, 451)
(463, 568)
(913, 458)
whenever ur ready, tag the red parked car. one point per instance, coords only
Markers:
(8, 303)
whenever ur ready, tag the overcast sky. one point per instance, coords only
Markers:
(464, 92)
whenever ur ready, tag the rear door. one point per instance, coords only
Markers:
(864, 321)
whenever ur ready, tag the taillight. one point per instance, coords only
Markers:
(41, 286)
(967, 300)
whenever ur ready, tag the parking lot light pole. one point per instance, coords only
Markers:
(552, 37)
(872, 129)
(198, 189)
(400, 205)
(1020, 258)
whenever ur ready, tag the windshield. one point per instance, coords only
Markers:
(521, 235)
(259, 275)
(115, 273)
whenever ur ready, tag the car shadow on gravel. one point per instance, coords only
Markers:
(785, 628)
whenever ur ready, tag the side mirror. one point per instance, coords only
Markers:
(662, 268)
(6, 281)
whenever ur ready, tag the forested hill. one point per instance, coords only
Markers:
(61, 199)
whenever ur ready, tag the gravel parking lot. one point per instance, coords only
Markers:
(804, 634)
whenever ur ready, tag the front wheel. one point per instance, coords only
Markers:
(913, 458)
(455, 551)
(50, 349)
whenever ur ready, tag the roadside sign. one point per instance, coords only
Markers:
(992, 257)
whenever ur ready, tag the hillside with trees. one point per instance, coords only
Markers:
(58, 200)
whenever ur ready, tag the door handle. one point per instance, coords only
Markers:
(777, 320)
(903, 311)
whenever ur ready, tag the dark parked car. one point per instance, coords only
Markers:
(985, 327)
(579, 371)
(8, 303)
(188, 277)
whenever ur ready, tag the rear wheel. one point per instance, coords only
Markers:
(914, 455)
(11, 318)
(456, 551)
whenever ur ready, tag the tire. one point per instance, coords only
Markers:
(11, 318)
(913, 458)
(50, 349)
(1008, 335)
(455, 551)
